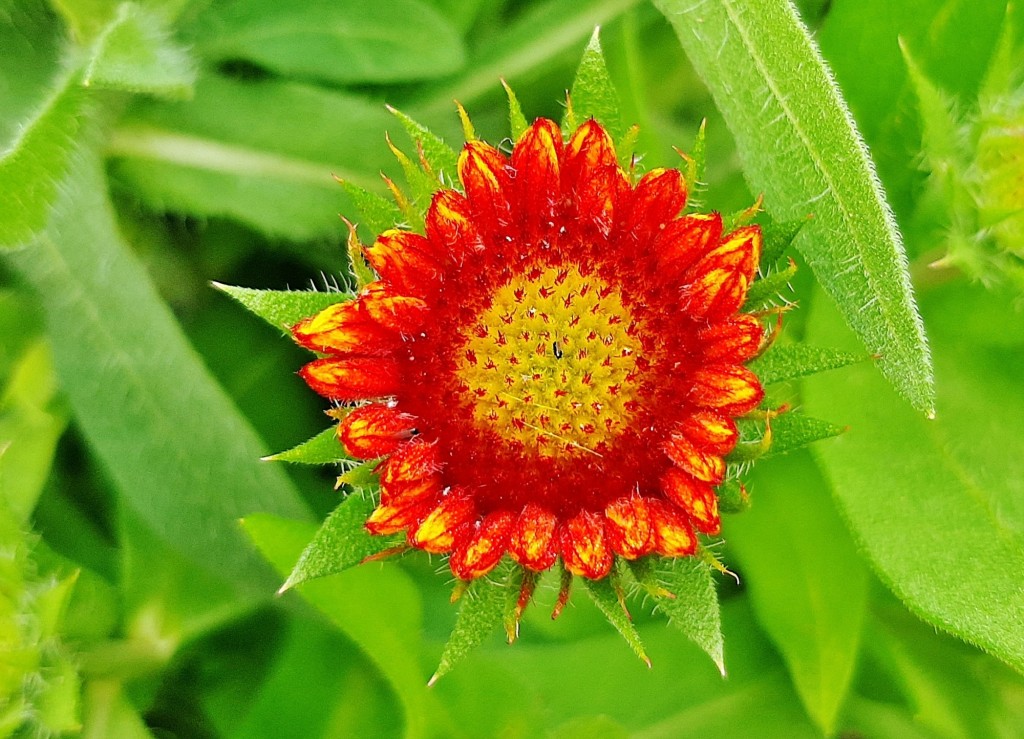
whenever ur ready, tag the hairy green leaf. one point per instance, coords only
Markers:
(171, 441)
(341, 542)
(481, 614)
(593, 95)
(691, 603)
(938, 505)
(808, 585)
(789, 361)
(801, 149)
(323, 448)
(260, 152)
(283, 308)
(794, 429)
(136, 53)
(340, 41)
(606, 597)
(771, 289)
(32, 167)
(377, 213)
(439, 155)
(516, 120)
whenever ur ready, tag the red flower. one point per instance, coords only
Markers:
(553, 370)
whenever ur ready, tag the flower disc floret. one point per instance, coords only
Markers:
(552, 370)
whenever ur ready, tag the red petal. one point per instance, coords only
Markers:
(484, 172)
(585, 549)
(353, 378)
(374, 431)
(399, 313)
(592, 179)
(697, 499)
(449, 225)
(685, 240)
(538, 193)
(532, 541)
(392, 516)
(406, 261)
(672, 531)
(344, 328)
(438, 530)
(657, 199)
(411, 463)
(698, 462)
(733, 341)
(730, 389)
(710, 431)
(629, 527)
(718, 283)
(481, 551)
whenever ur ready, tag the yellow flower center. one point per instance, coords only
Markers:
(552, 362)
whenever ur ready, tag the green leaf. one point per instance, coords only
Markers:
(771, 289)
(338, 41)
(171, 441)
(32, 167)
(516, 120)
(261, 152)
(441, 157)
(136, 53)
(593, 95)
(794, 429)
(378, 608)
(378, 214)
(808, 585)
(342, 542)
(323, 448)
(283, 308)
(938, 505)
(694, 610)
(30, 426)
(789, 361)
(778, 236)
(801, 149)
(481, 614)
(606, 596)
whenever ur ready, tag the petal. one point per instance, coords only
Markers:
(484, 172)
(733, 341)
(411, 463)
(481, 551)
(438, 530)
(672, 531)
(696, 499)
(406, 261)
(535, 160)
(401, 314)
(629, 527)
(711, 431)
(375, 430)
(353, 378)
(718, 283)
(592, 180)
(532, 541)
(344, 328)
(730, 389)
(390, 518)
(449, 226)
(685, 240)
(702, 464)
(657, 199)
(585, 549)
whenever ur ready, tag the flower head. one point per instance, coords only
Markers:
(552, 371)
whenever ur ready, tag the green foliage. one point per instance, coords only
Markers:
(283, 308)
(341, 542)
(790, 361)
(481, 614)
(592, 94)
(607, 595)
(944, 485)
(800, 148)
(324, 448)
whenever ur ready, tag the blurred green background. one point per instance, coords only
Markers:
(135, 400)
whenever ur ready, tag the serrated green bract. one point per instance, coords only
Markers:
(777, 237)
(442, 159)
(341, 542)
(606, 594)
(31, 169)
(593, 95)
(516, 120)
(136, 53)
(481, 614)
(800, 147)
(683, 588)
(377, 213)
(324, 448)
(794, 429)
(282, 308)
(771, 289)
(799, 360)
